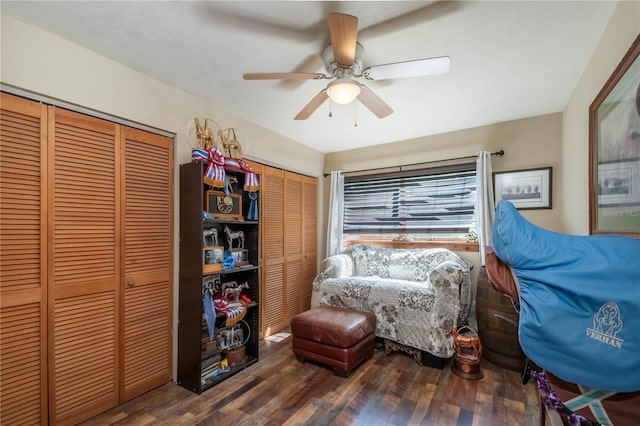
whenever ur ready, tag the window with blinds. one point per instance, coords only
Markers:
(432, 202)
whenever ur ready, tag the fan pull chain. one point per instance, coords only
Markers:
(330, 113)
(355, 114)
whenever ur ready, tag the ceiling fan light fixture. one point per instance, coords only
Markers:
(343, 90)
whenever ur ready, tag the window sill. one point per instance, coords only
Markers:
(450, 244)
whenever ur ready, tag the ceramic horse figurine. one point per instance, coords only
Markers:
(210, 237)
(234, 235)
(231, 291)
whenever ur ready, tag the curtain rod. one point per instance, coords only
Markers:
(500, 153)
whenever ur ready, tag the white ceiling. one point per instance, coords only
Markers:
(509, 60)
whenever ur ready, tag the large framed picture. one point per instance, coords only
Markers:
(526, 189)
(614, 151)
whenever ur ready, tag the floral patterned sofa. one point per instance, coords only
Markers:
(417, 295)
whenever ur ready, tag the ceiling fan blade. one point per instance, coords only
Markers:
(284, 76)
(416, 68)
(373, 102)
(344, 34)
(312, 106)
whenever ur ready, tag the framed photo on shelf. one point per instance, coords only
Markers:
(224, 206)
(526, 189)
(614, 151)
(240, 255)
(212, 258)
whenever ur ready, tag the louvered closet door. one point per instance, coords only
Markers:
(293, 244)
(309, 237)
(273, 243)
(23, 289)
(83, 255)
(259, 169)
(147, 260)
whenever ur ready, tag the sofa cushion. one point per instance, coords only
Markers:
(358, 253)
(403, 264)
(336, 266)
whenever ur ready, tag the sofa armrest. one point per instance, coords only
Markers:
(452, 282)
(337, 266)
(448, 274)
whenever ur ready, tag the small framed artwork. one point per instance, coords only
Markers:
(614, 151)
(212, 258)
(240, 255)
(224, 206)
(526, 189)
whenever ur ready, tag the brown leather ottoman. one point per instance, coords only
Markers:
(336, 337)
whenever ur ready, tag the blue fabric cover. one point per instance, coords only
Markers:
(579, 298)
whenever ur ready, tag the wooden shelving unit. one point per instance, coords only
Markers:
(198, 356)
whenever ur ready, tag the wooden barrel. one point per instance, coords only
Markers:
(498, 335)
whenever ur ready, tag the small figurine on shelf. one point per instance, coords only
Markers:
(210, 237)
(231, 293)
(234, 235)
(472, 235)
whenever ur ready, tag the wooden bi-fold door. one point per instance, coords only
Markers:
(309, 237)
(147, 261)
(23, 259)
(86, 259)
(84, 264)
(293, 237)
(273, 243)
(289, 245)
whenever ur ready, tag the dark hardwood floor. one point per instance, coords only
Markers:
(385, 390)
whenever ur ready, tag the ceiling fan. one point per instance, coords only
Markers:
(343, 62)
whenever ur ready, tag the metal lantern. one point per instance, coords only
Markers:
(468, 350)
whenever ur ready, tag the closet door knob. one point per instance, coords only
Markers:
(131, 282)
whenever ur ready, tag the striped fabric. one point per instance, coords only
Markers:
(251, 183)
(215, 175)
(198, 154)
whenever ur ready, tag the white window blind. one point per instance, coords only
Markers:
(437, 200)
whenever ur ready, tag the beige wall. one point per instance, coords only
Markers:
(49, 65)
(528, 143)
(622, 29)
(40, 62)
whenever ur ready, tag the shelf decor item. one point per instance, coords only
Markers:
(212, 257)
(231, 293)
(614, 151)
(232, 236)
(235, 356)
(240, 255)
(224, 206)
(220, 149)
(468, 350)
(210, 237)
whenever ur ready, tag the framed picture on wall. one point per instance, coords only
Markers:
(614, 151)
(526, 189)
